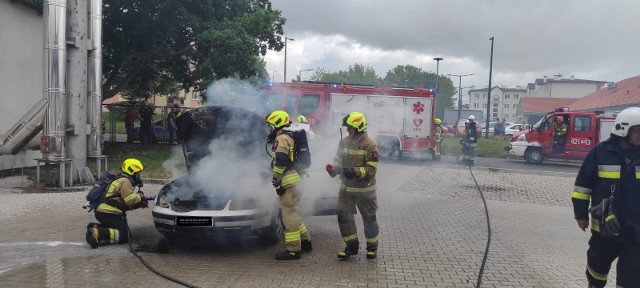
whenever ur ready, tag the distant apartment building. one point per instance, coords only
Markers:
(504, 102)
(186, 99)
(559, 87)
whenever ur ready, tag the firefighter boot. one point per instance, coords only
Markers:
(92, 236)
(372, 254)
(306, 246)
(288, 255)
(351, 249)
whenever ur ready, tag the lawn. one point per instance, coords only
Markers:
(152, 157)
(492, 147)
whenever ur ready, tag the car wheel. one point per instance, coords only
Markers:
(385, 150)
(275, 232)
(166, 243)
(534, 155)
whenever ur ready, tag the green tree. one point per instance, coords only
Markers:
(414, 77)
(152, 47)
(356, 74)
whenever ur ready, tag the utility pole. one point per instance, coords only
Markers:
(438, 59)
(285, 57)
(486, 134)
(460, 92)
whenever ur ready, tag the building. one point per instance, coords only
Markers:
(504, 102)
(613, 98)
(191, 99)
(530, 110)
(559, 87)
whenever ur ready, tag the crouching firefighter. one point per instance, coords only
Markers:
(610, 179)
(356, 162)
(285, 180)
(119, 198)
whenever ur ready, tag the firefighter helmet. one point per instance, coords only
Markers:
(437, 121)
(132, 166)
(278, 119)
(355, 120)
(302, 119)
(472, 118)
(559, 119)
(627, 119)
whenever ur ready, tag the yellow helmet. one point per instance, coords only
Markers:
(355, 120)
(278, 119)
(132, 166)
(302, 119)
(437, 121)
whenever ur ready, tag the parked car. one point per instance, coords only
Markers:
(159, 130)
(512, 129)
(227, 192)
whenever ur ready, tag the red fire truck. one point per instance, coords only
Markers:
(399, 119)
(584, 131)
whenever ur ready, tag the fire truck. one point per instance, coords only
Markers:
(584, 131)
(400, 120)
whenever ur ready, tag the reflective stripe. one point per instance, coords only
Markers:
(302, 229)
(580, 196)
(609, 171)
(350, 237)
(595, 224)
(291, 154)
(582, 190)
(372, 240)
(596, 275)
(609, 218)
(354, 152)
(637, 172)
(373, 164)
(290, 179)
(116, 237)
(358, 189)
(279, 170)
(130, 199)
(292, 236)
(362, 172)
(112, 235)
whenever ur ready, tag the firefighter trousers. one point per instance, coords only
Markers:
(112, 229)
(602, 251)
(367, 203)
(437, 148)
(295, 231)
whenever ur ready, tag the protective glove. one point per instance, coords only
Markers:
(278, 185)
(330, 170)
(144, 203)
(348, 173)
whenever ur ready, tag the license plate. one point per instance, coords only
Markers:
(194, 221)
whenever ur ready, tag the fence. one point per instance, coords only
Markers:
(114, 125)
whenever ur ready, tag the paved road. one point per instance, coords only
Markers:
(433, 234)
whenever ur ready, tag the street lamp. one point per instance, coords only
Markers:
(486, 135)
(460, 92)
(300, 73)
(438, 59)
(285, 57)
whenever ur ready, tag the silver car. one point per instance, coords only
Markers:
(227, 193)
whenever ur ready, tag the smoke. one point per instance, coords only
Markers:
(175, 164)
(233, 92)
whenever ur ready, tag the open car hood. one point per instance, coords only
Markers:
(198, 127)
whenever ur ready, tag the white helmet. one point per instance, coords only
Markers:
(625, 120)
(471, 117)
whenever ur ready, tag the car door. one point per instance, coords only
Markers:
(580, 135)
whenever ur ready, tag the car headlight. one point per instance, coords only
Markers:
(163, 201)
(522, 138)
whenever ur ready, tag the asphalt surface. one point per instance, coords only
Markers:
(433, 234)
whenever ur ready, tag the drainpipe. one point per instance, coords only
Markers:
(53, 142)
(95, 79)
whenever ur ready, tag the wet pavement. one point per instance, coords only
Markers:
(433, 234)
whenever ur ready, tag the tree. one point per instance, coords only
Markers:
(152, 47)
(356, 74)
(414, 77)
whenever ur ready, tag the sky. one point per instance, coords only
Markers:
(590, 39)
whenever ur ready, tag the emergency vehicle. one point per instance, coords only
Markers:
(400, 120)
(584, 131)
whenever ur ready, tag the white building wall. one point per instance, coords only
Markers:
(21, 74)
(504, 102)
(572, 90)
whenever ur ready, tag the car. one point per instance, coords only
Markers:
(227, 192)
(159, 130)
(512, 129)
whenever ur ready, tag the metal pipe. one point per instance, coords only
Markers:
(53, 142)
(24, 130)
(95, 79)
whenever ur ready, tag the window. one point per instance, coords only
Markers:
(476, 105)
(495, 104)
(484, 96)
(484, 106)
(495, 115)
(506, 106)
(292, 100)
(582, 124)
(477, 96)
(516, 96)
(309, 103)
(495, 109)
(507, 96)
(274, 101)
(195, 95)
(515, 106)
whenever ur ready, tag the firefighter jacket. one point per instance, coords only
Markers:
(610, 170)
(283, 160)
(120, 190)
(560, 129)
(471, 135)
(359, 153)
(438, 133)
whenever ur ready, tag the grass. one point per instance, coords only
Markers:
(492, 147)
(151, 156)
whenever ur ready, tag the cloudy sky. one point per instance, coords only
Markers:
(591, 39)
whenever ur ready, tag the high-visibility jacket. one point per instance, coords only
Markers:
(608, 169)
(122, 191)
(560, 129)
(471, 135)
(359, 153)
(438, 133)
(283, 159)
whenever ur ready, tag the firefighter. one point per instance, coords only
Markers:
(559, 134)
(285, 180)
(357, 162)
(119, 198)
(470, 141)
(610, 170)
(438, 139)
(303, 124)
